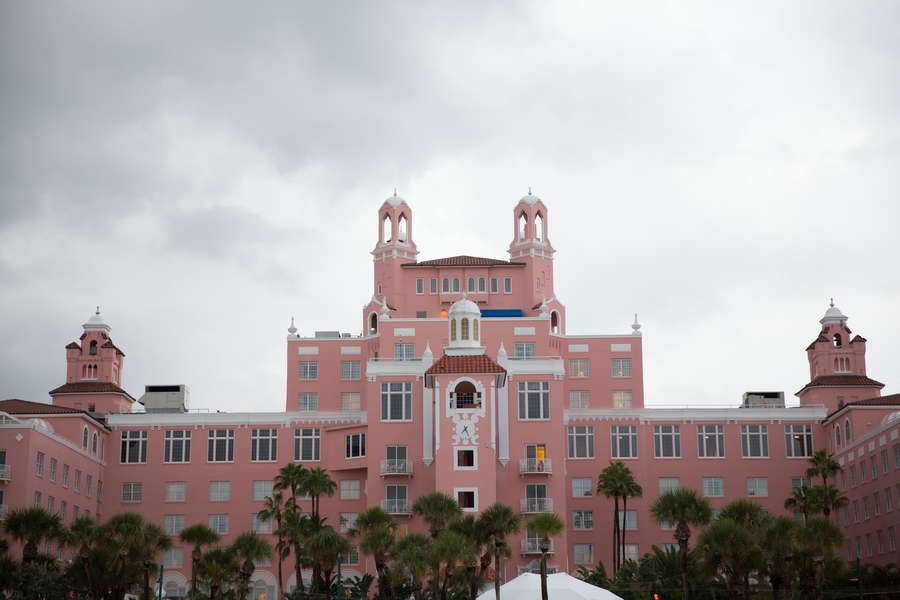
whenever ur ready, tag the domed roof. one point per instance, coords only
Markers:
(395, 200)
(464, 306)
(95, 323)
(890, 417)
(530, 198)
(833, 315)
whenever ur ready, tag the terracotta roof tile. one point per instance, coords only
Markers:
(858, 338)
(819, 339)
(841, 381)
(891, 400)
(464, 261)
(83, 387)
(73, 346)
(26, 407)
(464, 364)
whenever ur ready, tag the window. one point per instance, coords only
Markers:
(755, 441)
(843, 481)
(396, 498)
(134, 447)
(621, 367)
(837, 436)
(353, 556)
(94, 442)
(52, 469)
(866, 513)
(445, 285)
(85, 436)
(131, 492)
(630, 552)
(628, 519)
(536, 497)
(884, 463)
(355, 445)
(65, 478)
(456, 285)
(583, 520)
(579, 399)
(582, 487)
(897, 456)
(396, 401)
(481, 287)
(465, 458)
(869, 543)
(77, 480)
(858, 547)
(307, 443)
(307, 402)
(494, 287)
(874, 468)
(262, 490)
(624, 441)
(174, 524)
(757, 486)
(581, 441)
(888, 500)
(221, 445)
(420, 285)
(876, 500)
(99, 490)
(713, 486)
(846, 515)
(470, 284)
(853, 476)
(862, 471)
(62, 512)
(87, 486)
(176, 491)
(711, 441)
(525, 350)
(37, 499)
(349, 401)
(799, 482)
(856, 511)
(263, 445)
(534, 400)
(40, 464)
(218, 523)
(667, 441)
(178, 447)
(433, 285)
(404, 352)
(507, 285)
(892, 544)
(174, 558)
(847, 437)
(219, 490)
(350, 370)
(349, 489)
(467, 499)
(309, 371)
(622, 399)
(578, 367)
(879, 535)
(667, 483)
(798, 440)
(50, 504)
(348, 521)
(584, 554)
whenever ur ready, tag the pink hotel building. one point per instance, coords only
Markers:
(465, 381)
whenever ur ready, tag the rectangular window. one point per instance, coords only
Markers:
(624, 441)
(853, 476)
(621, 367)
(350, 401)
(713, 487)
(396, 401)
(843, 481)
(349, 489)
(534, 400)
(99, 490)
(307, 402)
(885, 466)
(37, 499)
(581, 441)
(221, 445)
(77, 480)
(798, 440)
(420, 285)
(757, 486)
(874, 468)
(583, 520)
(711, 441)
(897, 456)
(507, 285)
(308, 371)
(174, 558)
(62, 512)
(622, 399)
(353, 556)
(262, 490)
(355, 445)
(755, 441)
(630, 552)
(350, 370)
(466, 500)
(307, 443)
(263, 445)
(888, 500)
(219, 490)
(584, 554)
(219, 523)
(176, 491)
(799, 482)
(465, 459)
(578, 368)
(892, 544)
(580, 399)
(876, 501)
(494, 285)
(846, 515)
(40, 464)
(628, 519)
(866, 514)
(50, 504)
(862, 471)
(667, 441)
(582, 487)
(65, 478)
(174, 524)
(667, 483)
(433, 285)
(178, 446)
(348, 521)
(879, 535)
(52, 469)
(131, 492)
(134, 447)
(404, 352)
(524, 350)
(869, 543)
(856, 511)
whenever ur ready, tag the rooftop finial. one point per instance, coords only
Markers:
(832, 302)
(529, 190)
(395, 191)
(98, 310)
(292, 330)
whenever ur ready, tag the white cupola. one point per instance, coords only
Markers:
(464, 321)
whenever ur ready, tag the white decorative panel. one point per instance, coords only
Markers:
(578, 347)
(882, 440)
(620, 347)
(407, 331)
(524, 331)
(851, 457)
(351, 350)
(871, 446)
(303, 350)
(841, 461)
(893, 435)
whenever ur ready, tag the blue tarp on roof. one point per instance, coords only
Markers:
(501, 312)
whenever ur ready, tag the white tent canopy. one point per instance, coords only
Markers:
(560, 586)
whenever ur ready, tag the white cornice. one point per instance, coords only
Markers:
(203, 420)
(685, 415)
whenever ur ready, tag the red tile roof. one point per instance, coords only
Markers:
(83, 387)
(891, 400)
(841, 381)
(25, 407)
(821, 338)
(464, 261)
(858, 338)
(73, 346)
(464, 364)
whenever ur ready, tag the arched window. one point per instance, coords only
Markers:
(475, 330)
(94, 443)
(481, 283)
(554, 322)
(445, 285)
(523, 223)
(456, 284)
(84, 438)
(836, 367)
(401, 229)
(470, 284)
(386, 230)
(837, 340)
(464, 329)
(94, 348)
(373, 323)
(837, 436)
(539, 228)
(847, 436)
(453, 330)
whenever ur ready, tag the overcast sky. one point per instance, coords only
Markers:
(204, 171)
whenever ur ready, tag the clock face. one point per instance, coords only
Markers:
(465, 429)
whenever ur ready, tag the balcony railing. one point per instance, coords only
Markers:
(396, 466)
(542, 466)
(532, 546)
(4, 509)
(4, 472)
(537, 570)
(397, 507)
(465, 400)
(536, 505)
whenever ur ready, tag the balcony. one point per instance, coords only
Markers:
(396, 467)
(536, 505)
(4, 509)
(533, 546)
(465, 400)
(540, 466)
(4, 472)
(397, 507)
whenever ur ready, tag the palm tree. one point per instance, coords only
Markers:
(826, 498)
(31, 526)
(273, 509)
(198, 535)
(684, 508)
(412, 553)
(477, 540)
(499, 521)
(218, 567)
(820, 537)
(295, 529)
(753, 517)
(377, 530)
(316, 483)
(324, 546)
(613, 482)
(83, 535)
(438, 510)
(450, 549)
(823, 464)
(778, 543)
(249, 548)
(729, 547)
(546, 525)
(802, 500)
(289, 477)
(125, 532)
(633, 489)
(153, 542)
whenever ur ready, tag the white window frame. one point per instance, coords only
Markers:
(457, 450)
(132, 492)
(173, 524)
(433, 285)
(217, 438)
(668, 483)
(420, 285)
(584, 554)
(579, 399)
(218, 523)
(663, 435)
(307, 444)
(219, 491)
(173, 558)
(262, 489)
(582, 520)
(355, 449)
(458, 490)
(264, 445)
(347, 521)
(804, 433)
(758, 487)
(578, 487)
(622, 399)
(580, 441)
(621, 368)
(404, 352)
(350, 401)
(617, 433)
(396, 395)
(307, 402)
(579, 368)
(711, 441)
(134, 447)
(350, 370)
(524, 350)
(349, 489)
(495, 287)
(177, 446)
(748, 434)
(507, 285)
(531, 388)
(308, 371)
(713, 487)
(258, 525)
(176, 491)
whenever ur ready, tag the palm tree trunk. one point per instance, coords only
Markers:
(473, 574)
(682, 550)
(279, 548)
(297, 567)
(616, 535)
(544, 595)
(497, 547)
(624, 527)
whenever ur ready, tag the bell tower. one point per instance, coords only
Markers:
(531, 245)
(395, 247)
